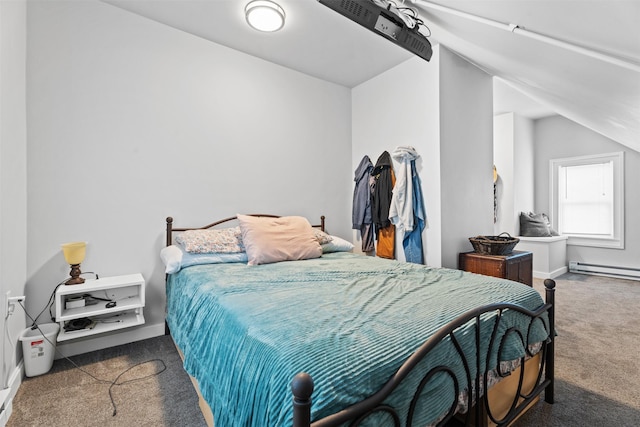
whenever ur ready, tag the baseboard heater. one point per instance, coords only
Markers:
(605, 270)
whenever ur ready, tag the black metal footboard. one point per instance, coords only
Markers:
(481, 411)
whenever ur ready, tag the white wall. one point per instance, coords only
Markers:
(385, 116)
(558, 137)
(447, 117)
(513, 155)
(503, 151)
(523, 197)
(131, 121)
(466, 154)
(13, 186)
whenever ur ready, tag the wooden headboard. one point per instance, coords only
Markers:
(171, 228)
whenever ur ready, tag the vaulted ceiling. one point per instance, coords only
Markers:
(577, 58)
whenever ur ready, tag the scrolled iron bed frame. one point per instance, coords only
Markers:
(479, 411)
(302, 384)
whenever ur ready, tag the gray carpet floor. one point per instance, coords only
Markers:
(597, 372)
(597, 367)
(149, 395)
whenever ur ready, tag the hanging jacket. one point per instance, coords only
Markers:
(380, 203)
(361, 210)
(382, 192)
(401, 210)
(412, 241)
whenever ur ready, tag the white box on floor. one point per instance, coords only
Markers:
(549, 255)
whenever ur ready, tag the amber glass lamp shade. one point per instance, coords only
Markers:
(74, 254)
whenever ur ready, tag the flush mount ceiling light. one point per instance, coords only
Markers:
(264, 15)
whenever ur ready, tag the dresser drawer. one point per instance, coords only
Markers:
(517, 266)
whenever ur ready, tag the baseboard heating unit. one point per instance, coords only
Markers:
(605, 270)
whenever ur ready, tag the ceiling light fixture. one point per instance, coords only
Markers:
(264, 15)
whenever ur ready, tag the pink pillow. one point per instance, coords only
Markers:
(288, 238)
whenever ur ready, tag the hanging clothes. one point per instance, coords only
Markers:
(361, 210)
(401, 210)
(371, 228)
(407, 205)
(380, 204)
(412, 241)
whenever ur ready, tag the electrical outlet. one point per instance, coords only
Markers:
(11, 302)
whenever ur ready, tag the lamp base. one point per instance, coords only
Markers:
(75, 276)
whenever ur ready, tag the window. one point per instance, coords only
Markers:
(587, 199)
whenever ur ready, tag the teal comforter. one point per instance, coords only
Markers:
(348, 320)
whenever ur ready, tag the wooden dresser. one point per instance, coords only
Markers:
(517, 266)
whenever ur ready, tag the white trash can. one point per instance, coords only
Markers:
(37, 351)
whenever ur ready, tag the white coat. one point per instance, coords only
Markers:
(401, 210)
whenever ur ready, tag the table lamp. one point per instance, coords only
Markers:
(74, 253)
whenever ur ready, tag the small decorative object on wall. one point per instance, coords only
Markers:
(495, 194)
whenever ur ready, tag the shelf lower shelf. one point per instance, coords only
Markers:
(100, 309)
(105, 324)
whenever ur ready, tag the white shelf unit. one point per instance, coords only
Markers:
(127, 291)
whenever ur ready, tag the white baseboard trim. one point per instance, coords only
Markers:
(550, 275)
(109, 339)
(7, 395)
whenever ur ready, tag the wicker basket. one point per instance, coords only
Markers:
(494, 245)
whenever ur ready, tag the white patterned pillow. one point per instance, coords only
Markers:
(322, 237)
(222, 241)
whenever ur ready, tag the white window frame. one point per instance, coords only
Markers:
(616, 241)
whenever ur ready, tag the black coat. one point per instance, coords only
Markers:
(382, 191)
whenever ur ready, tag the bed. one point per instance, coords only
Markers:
(346, 339)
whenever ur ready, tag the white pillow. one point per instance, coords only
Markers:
(286, 238)
(175, 258)
(197, 259)
(337, 245)
(171, 256)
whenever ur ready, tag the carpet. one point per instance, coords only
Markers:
(148, 396)
(597, 369)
